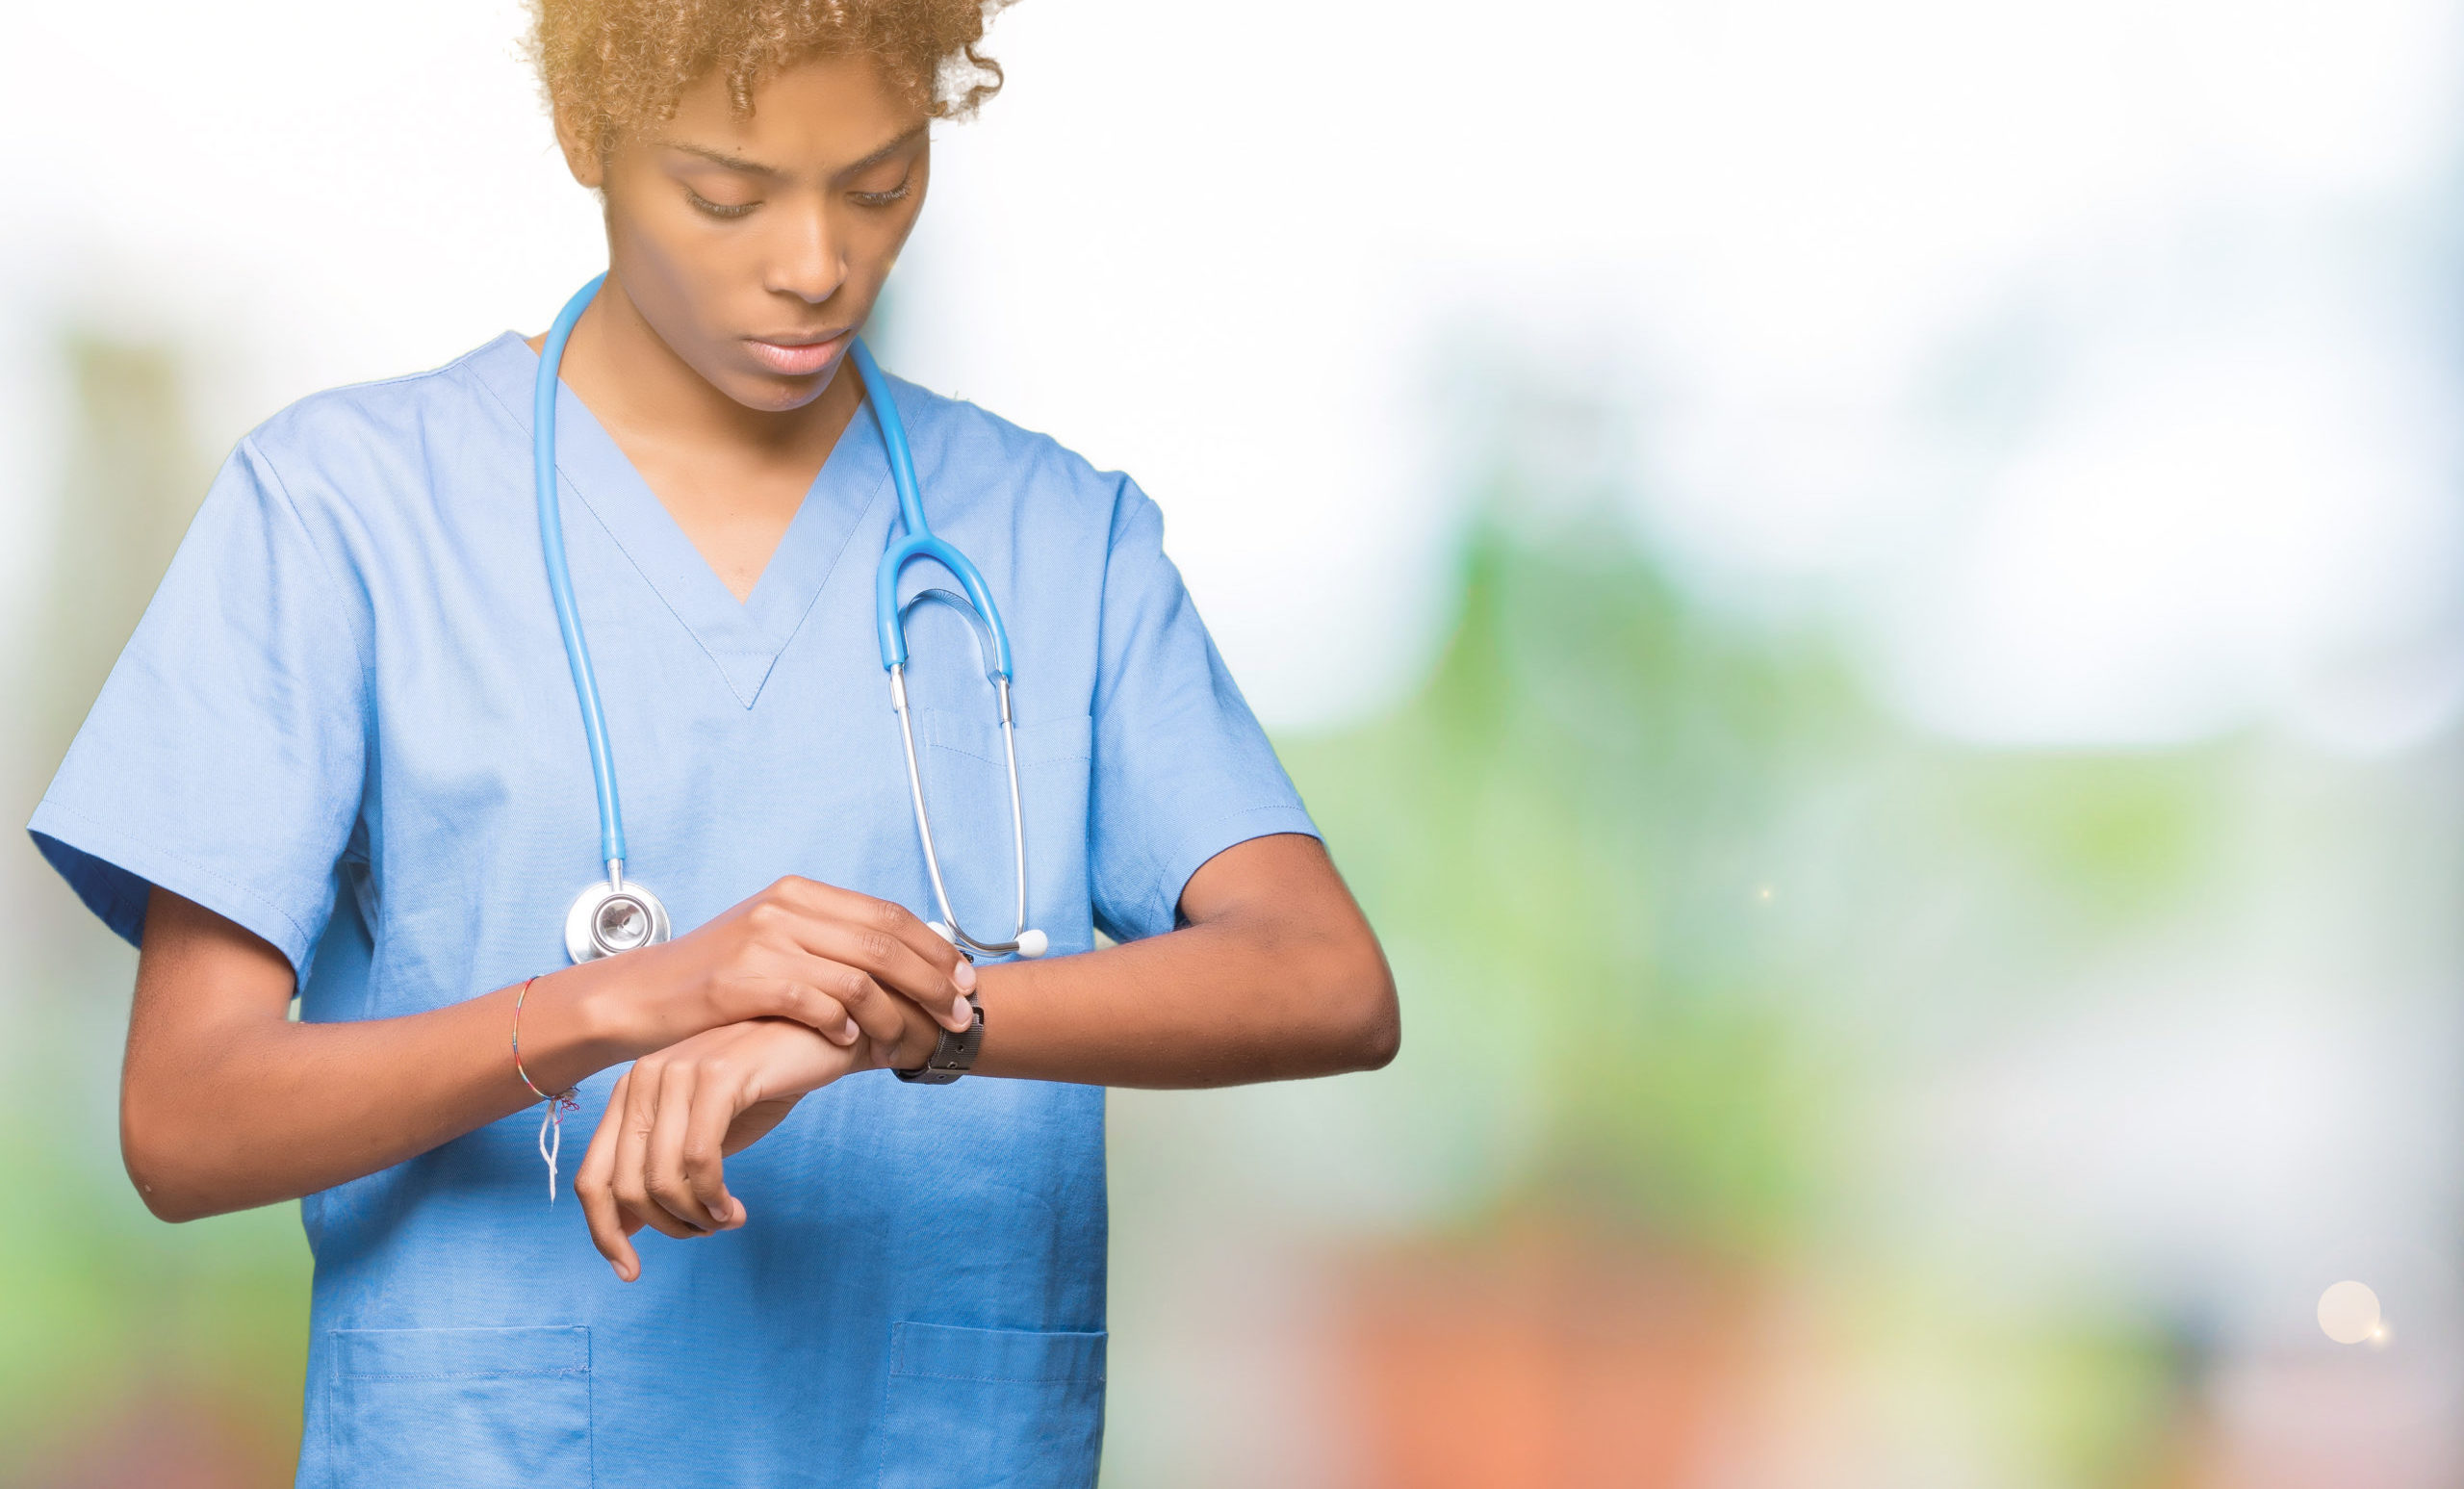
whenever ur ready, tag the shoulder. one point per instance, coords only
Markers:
(981, 453)
(344, 483)
(360, 440)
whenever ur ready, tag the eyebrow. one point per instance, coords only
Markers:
(756, 168)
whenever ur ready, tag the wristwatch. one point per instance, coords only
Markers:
(953, 1054)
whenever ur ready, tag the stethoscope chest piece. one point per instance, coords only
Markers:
(611, 917)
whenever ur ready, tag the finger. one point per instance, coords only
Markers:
(829, 1017)
(876, 1011)
(844, 1033)
(887, 940)
(632, 1151)
(715, 1105)
(594, 1187)
(892, 964)
(807, 1004)
(663, 1156)
(787, 982)
(914, 1044)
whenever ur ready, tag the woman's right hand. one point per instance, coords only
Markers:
(846, 964)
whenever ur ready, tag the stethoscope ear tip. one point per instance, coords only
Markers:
(1033, 944)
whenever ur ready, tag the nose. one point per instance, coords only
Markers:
(811, 264)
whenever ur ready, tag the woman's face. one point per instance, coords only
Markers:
(755, 246)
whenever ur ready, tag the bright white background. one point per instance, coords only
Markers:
(2072, 355)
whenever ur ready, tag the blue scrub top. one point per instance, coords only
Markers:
(345, 723)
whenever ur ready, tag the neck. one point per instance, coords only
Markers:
(636, 386)
(732, 478)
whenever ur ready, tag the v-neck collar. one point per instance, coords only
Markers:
(743, 638)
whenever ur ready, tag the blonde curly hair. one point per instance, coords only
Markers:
(609, 65)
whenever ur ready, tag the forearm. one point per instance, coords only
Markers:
(257, 1111)
(1279, 981)
(224, 1104)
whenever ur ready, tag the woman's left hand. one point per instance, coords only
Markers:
(657, 1158)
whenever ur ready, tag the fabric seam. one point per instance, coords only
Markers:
(240, 890)
(364, 643)
(1026, 756)
(1164, 865)
(566, 481)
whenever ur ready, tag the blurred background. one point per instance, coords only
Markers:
(1869, 596)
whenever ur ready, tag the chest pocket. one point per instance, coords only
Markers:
(477, 1408)
(1022, 1409)
(967, 786)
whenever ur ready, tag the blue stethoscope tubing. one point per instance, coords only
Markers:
(620, 914)
(560, 582)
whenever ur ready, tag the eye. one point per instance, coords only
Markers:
(704, 205)
(890, 197)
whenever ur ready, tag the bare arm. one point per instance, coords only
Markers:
(1276, 975)
(226, 1104)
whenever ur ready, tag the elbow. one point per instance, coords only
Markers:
(159, 1166)
(1381, 1042)
(1370, 1033)
(174, 1210)
(165, 1199)
(1384, 1039)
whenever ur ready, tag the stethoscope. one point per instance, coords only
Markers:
(620, 914)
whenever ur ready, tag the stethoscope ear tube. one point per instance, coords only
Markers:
(1025, 943)
(889, 619)
(919, 541)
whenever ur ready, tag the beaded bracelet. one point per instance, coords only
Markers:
(552, 1126)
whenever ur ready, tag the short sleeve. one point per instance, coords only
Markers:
(224, 758)
(1182, 771)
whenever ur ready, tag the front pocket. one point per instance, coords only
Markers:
(967, 786)
(1021, 1408)
(1069, 737)
(477, 1408)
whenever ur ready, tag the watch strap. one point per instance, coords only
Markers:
(953, 1053)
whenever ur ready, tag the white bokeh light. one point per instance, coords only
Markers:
(2348, 1311)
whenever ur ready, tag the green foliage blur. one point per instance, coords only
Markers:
(131, 1351)
(1661, 875)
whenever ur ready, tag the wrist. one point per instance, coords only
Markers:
(598, 1023)
(795, 1061)
(996, 992)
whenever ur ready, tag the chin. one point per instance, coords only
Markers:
(773, 394)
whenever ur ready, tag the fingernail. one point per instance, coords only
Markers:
(964, 976)
(962, 1016)
(847, 1034)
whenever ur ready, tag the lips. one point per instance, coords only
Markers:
(796, 356)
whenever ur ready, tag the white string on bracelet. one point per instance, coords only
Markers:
(551, 1122)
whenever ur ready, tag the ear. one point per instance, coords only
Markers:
(581, 156)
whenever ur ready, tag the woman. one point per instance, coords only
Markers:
(343, 757)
